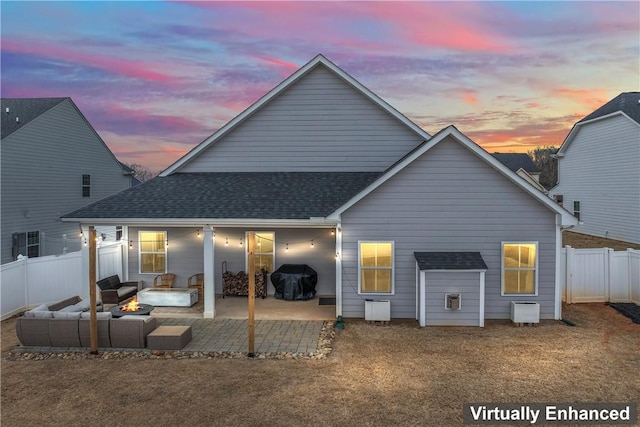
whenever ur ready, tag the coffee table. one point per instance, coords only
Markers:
(168, 297)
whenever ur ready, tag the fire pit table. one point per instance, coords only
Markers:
(132, 307)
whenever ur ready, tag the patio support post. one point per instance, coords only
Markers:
(209, 271)
(93, 321)
(84, 250)
(251, 246)
(338, 269)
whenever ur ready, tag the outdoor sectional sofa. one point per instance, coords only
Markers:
(112, 291)
(62, 327)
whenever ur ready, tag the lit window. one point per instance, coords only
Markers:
(86, 185)
(375, 265)
(264, 253)
(153, 251)
(519, 268)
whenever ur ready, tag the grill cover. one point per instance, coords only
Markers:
(294, 282)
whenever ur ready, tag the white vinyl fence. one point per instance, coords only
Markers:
(32, 281)
(600, 275)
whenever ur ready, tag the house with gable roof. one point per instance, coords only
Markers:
(52, 161)
(328, 174)
(599, 170)
(522, 165)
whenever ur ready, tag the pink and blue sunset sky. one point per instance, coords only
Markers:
(156, 78)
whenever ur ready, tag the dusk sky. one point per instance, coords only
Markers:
(155, 78)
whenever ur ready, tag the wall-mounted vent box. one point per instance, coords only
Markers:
(377, 311)
(525, 312)
(452, 302)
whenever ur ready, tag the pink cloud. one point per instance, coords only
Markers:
(589, 99)
(471, 98)
(126, 68)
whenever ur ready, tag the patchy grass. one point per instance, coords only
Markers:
(376, 376)
(583, 241)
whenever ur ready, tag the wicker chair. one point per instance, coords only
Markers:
(197, 281)
(164, 280)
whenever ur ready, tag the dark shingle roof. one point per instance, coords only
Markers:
(241, 195)
(515, 161)
(450, 261)
(627, 102)
(26, 109)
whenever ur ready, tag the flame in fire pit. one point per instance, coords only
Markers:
(131, 305)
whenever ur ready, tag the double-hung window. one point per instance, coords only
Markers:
(26, 244)
(153, 251)
(576, 209)
(264, 251)
(375, 267)
(86, 185)
(519, 268)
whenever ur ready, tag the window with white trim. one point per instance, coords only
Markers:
(576, 209)
(264, 254)
(519, 268)
(375, 267)
(26, 244)
(153, 251)
(86, 185)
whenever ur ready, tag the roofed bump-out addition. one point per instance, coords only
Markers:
(517, 161)
(450, 261)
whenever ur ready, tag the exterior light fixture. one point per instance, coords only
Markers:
(312, 245)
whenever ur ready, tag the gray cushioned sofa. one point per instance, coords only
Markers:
(59, 328)
(113, 291)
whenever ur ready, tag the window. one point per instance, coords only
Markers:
(26, 244)
(576, 209)
(375, 265)
(264, 253)
(86, 185)
(118, 232)
(153, 251)
(519, 268)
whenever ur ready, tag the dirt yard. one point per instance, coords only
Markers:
(582, 241)
(376, 376)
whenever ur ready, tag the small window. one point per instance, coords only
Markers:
(576, 209)
(86, 185)
(26, 244)
(519, 268)
(118, 233)
(375, 265)
(264, 251)
(153, 251)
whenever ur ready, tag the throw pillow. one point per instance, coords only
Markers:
(42, 314)
(66, 315)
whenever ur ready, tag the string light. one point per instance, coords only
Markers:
(312, 245)
(241, 241)
(286, 248)
(166, 243)
(226, 243)
(333, 231)
(130, 244)
(198, 233)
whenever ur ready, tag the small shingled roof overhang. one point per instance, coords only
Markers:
(450, 261)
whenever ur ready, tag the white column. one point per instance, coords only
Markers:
(125, 254)
(209, 271)
(84, 250)
(481, 308)
(338, 269)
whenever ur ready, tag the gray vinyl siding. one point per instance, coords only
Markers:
(318, 124)
(448, 200)
(601, 170)
(185, 254)
(42, 167)
(438, 284)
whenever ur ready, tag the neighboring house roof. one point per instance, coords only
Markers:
(451, 131)
(230, 195)
(626, 104)
(516, 161)
(450, 261)
(319, 60)
(25, 109)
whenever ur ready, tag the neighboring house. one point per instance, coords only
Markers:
(521, 164)
(599, 170)
(52, 161)
(328, 174)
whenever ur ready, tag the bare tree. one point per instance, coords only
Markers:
(548, 165)
(140, 171)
